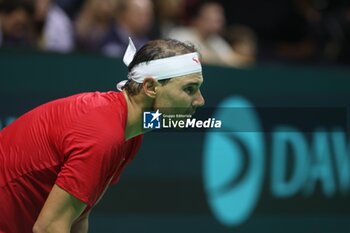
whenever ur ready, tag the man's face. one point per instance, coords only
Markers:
(212, 18)
(139, 17)
(15, 24)
(180, 95)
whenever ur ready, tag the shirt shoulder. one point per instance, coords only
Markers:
(100, 116)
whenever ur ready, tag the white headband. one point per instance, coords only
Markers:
(159, 69)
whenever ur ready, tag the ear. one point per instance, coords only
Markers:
(149, 86)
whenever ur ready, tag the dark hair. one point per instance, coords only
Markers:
(9, 6)
(153, 50)
(195, 9)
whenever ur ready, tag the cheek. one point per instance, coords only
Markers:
(173, 99)
(164, 100)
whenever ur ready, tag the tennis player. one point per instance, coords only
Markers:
(57, 160)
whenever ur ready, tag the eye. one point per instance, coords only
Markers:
(190, 90)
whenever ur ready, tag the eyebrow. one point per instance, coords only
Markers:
(193, 83)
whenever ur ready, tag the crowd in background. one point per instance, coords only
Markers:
(228, 32)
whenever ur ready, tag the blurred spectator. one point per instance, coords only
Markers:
(15, 23)
(243, 42)
(54, 27)
(169, 14)
(134, 18)
(307, 31)
(93, 23)
(204, 31)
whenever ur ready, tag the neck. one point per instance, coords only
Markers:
(135, 104)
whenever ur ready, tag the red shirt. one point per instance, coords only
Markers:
(76, 143)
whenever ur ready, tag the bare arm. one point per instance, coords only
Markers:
(81, 225)
(59, 212)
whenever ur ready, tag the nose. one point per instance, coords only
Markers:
(198, 100)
